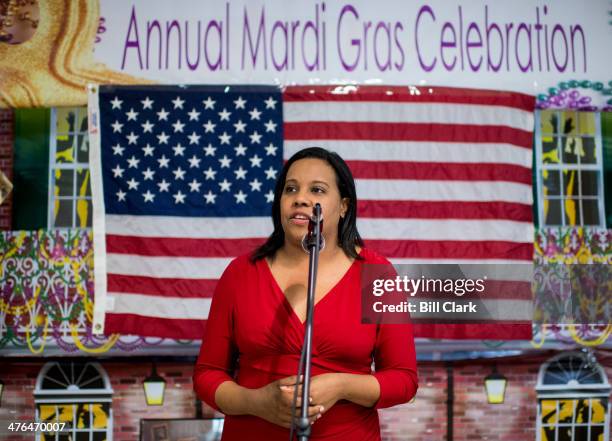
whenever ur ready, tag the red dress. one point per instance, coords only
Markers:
(254, 337)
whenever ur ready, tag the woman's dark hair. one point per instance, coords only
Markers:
(348, 236)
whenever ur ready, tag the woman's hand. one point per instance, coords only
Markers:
(326, 390)
(273, 402)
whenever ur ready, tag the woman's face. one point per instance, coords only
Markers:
(311, 180)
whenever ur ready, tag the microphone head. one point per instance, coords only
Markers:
(308, 241)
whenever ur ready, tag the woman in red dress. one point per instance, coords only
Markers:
(251, 348)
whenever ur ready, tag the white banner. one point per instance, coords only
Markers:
(525, 45)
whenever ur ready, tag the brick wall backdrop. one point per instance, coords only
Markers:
(474, 419)
(129, 405)
(18, 396)
(425, 418)
(422, 420)
(6, 163)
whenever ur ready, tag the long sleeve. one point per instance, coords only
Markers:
(215, 362)
(395, 364)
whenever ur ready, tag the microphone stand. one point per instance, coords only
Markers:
(314, 247)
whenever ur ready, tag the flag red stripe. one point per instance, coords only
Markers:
(383, 131)
(185, 288)
(204, 288)
(440, 171)
(452, 249)
(133, 324)
(492, 331)
(444, 210)
(424, 249)
(448, 321)
(180, 247)
(493, 290)
(506, 289)
(403, 94)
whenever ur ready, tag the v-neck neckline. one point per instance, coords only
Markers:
(285, 301)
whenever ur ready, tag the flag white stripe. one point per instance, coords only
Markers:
(167, 267)
(378, 228)
(518, 272)
(522, 272)
(507, 309)
(502, 309)
(413, 190)
(212, 268)
(451, 260)
(199, 308)
(98, 207)
(189, 227)
(446, 229)
(400, 112)
(160, 307)
(417, 151)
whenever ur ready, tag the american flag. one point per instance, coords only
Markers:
(186, 176)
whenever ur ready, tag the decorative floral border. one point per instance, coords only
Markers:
(46, 293)
(573, 245)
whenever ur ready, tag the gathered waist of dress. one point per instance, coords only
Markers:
(257, 371)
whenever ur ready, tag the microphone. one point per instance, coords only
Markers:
(309, 239)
